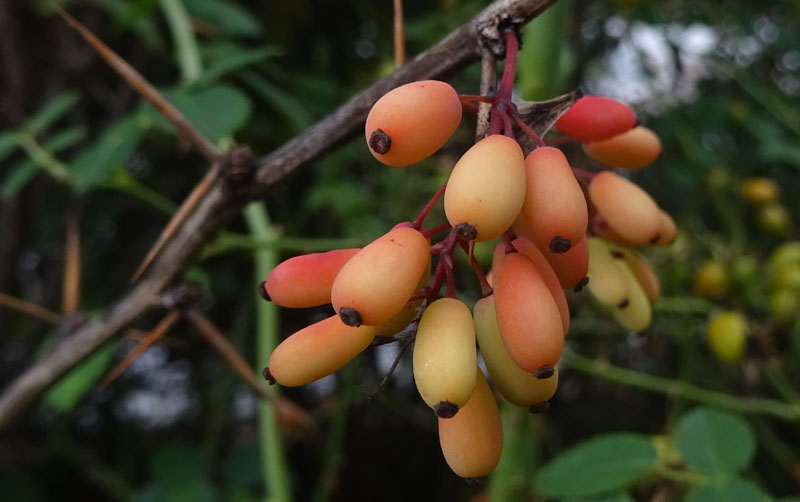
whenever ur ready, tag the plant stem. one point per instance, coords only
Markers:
(185, 44)
(276, 472)
(42, 157)
(680, 388)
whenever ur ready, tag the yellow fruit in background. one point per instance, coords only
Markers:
(760, 191)
(711, 280)
(727, 333)
(775, 218)
(783, 304)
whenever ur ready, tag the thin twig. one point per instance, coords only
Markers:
(678, 388)
(30, 309)
(404, 345)
(161, 328)
(147, 90)
(178, 218)
(488, 83)
(399, 38)
(72, 265)
(288, 411)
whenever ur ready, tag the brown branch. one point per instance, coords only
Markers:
(143, 87)
(72, 265)
(220, 203)
(162, 327)
(178, 218)
(399, 38)
(30, 309)
(488, 83)
(289, 411)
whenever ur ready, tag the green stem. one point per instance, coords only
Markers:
(276, 471)
(185, 44)
(229, 241)
(680, 388)
(683, 305)
(681, 476)
(334, 446)
(42, 157)
(781, 384)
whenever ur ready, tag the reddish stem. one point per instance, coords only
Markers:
(530, 132)
(417, 223)
(508, 237)
(508, 129)
(451, 283)
(510, 68)
(470, 107)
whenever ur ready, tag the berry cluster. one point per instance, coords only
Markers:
(558, 228)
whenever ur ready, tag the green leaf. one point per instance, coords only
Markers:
(22, 173)
(217, 111)
(51, 112)
(229, 18)
(17, 178)
(714, 441)
(603, 464)
(113, 147)
(64, 395)
(235, 60)
(728, 490)
(8, 143)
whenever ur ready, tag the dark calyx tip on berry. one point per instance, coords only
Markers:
(379, 141)
(617, 254)
(539, 408)
(655, 239)
(268, 376)
(351, 316)
(466, 232)
(543, 372)
(445, 409)
(475, 482)
(560, 245)
(582, 284)
(262, 291)
(624, 303)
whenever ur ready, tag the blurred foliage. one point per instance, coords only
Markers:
(178, 425)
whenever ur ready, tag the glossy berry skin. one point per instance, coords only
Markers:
(630, 150)
(317, 351)
(411, 122)
(445, 356)
(628, 210)
(528, 316)
(377, 282)
(487, 187)
(472, 440)
(595, 118)
(306, 280)
(554, 209)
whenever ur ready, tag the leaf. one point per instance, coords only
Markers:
(737, 489)
(602, 464)
(235, 60)
(229, 18)
(8, 143)
(113, 147)
(217, 111)
(51, 112)
(714, 441)
(64, 395)
(22, 173)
